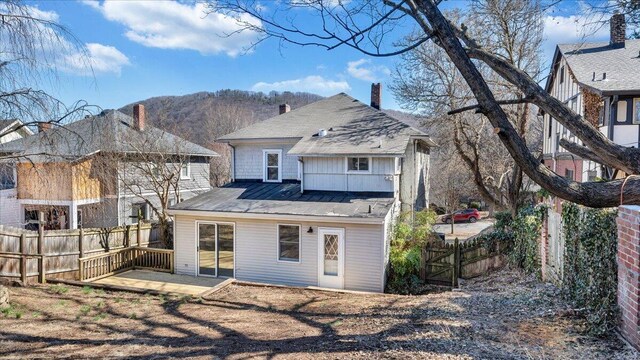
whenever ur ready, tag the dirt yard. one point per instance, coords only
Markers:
(502, 316)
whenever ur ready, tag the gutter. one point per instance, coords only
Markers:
(289, 217)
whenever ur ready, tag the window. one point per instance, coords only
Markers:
(550, 126)
(592, 175)
(289, 243)
(79, 214)
(185, 171)
(562, 75)
(138, 211)
(7, 176)
(358, 164)
(272, 165)
(568, 174)
(636, 111)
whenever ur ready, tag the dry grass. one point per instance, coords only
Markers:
(502, 316)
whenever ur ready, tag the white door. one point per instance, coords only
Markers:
(331, 258)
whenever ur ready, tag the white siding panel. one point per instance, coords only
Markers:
(626, 135)
(184, 244)
(256, 253)
(329, 174)
(9, 208)
(249, 161)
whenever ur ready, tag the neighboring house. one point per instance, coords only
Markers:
(9, 207)
(314, 195)
(88, 173)
(601, 82)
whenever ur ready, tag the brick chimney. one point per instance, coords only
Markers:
(376, 95)
(284, 108)
(617, 30)
(43, 126)
(138, 117)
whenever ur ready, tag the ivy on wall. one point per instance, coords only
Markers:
(590, 274)
(525, 230)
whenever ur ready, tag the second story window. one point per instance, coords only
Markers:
(568, 174)
(7, 176)
(621, 115)
(185, 171)
(562, 75)
(272, 165)
(358, 164)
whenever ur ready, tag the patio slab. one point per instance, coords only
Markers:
(170, 283)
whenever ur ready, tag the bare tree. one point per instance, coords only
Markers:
(366, 25)
(428, 81)
(32, 48)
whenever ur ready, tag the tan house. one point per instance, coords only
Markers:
(81, 174)
(315, 192)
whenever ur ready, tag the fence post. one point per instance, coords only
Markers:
(81, 243)
(456, 263)
(23, 258)
(139, 233)
(42, 278)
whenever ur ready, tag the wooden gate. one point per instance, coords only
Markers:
(443, 263)
(440, 263)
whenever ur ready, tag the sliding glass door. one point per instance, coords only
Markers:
(215, 249)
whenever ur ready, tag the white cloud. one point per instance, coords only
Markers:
(571, 29)
(176, 25)
(364, 70)
(63, 53)
(97, 58)
(313, 84)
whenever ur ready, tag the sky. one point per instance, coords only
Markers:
(141, 49)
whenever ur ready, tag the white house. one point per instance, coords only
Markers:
(9, 206)
(314, 193)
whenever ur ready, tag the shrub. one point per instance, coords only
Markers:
(475, 205)
(407, 240)
(503, 220)
(526, 233)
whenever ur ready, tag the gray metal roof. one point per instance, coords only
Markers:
(622, 65)
(352, 128)
(286, 199)
(111, 131)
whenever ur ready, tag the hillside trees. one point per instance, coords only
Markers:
(372, 27)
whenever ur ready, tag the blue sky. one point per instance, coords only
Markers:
(144, 49)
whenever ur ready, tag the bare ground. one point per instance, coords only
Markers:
(501, 316)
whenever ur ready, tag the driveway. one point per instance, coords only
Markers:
(463, 230)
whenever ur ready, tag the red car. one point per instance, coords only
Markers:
(470, 215)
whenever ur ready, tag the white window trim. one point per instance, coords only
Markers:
(278, 244)
(264, 164)
(346, 165)
(188, 176)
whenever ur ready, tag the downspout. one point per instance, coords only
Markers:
(301, 174)
(233, 163)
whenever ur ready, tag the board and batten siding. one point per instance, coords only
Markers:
(249, 161)
(256, 254)
(330, 174)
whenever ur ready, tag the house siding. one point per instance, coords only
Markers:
(249, 161)
(10, 214)
(256, 252)
(329, 174)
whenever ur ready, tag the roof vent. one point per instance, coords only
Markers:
(322, 132)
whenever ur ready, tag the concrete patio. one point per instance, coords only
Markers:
(169, 283)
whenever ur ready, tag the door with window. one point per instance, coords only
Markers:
(272, 165)
(331, 258)
(215, 249)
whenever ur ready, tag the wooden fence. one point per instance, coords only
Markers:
(30, 255)
(103, 265)
(443, 263)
